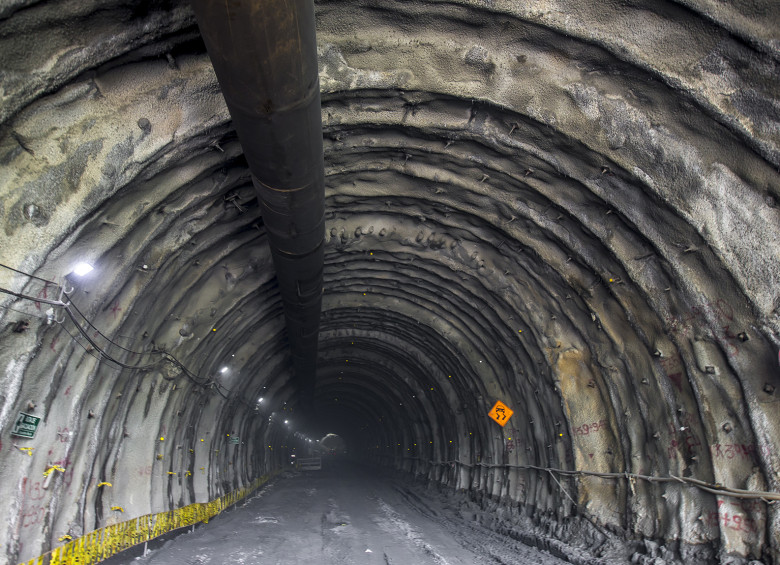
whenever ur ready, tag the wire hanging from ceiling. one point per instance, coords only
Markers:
(100, 353)
(94, 349)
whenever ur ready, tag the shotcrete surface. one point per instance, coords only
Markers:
(571, 207)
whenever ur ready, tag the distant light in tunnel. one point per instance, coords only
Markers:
(286, 421)
(82, 269)
(223, 370)
(260, 399)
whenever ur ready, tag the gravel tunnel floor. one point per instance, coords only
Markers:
(342, 514)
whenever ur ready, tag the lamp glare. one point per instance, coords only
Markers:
(82, 269)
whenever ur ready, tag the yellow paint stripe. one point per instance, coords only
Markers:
(101, 544)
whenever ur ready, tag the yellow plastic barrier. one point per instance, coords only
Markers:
(101, 544)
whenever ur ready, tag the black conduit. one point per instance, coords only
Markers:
(264, 53)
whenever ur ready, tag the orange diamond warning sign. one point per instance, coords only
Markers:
(501, 413)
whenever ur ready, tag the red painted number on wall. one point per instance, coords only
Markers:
(587, 429)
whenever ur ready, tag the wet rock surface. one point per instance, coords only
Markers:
(571, 208)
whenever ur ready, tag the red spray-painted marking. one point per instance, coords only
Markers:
(116, 309)
(587, 429)
(739, 451)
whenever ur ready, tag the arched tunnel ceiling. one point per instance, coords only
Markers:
(572, 208)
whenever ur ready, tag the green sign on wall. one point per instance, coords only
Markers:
(25, 425)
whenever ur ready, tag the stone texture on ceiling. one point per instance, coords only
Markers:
(569, 207)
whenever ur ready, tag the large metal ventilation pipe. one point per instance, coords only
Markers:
(264, 53)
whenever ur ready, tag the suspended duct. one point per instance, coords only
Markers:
(265, 57)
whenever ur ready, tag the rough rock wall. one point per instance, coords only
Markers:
(568, 207)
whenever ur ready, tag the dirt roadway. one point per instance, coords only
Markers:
(342, 515)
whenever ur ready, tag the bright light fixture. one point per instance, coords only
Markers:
(82, 269)
(286, 421)
(223, 370)
(260, 399)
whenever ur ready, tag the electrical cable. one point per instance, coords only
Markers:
(34, 299)
(562, 489)
(101, 351)
(74, 338)
(103, 354)
(193, 377)
(105, 336)
(68, 304)
(709, 487)
(166, 357)
(220, 392)
(23, 312)
(27, 274)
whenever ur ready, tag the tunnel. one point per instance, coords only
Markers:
(550, 273)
